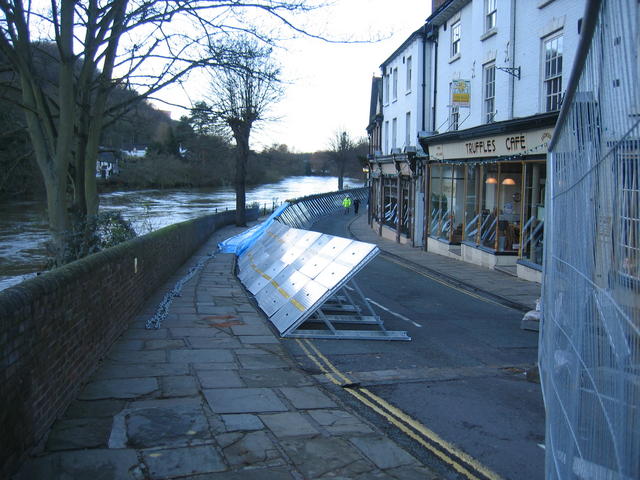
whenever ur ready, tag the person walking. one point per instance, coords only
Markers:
(346, 203)
(356, 206)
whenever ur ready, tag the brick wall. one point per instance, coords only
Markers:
(55, 328)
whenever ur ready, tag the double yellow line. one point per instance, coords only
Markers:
(445, 451)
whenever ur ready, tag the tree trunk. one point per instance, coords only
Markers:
(341, 166)
(242, 156)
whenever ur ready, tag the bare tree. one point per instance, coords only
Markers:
(141, 45)
(241, 94)
(341, 147)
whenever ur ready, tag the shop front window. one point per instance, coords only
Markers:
(447, 194)
(438, 202)
(489, 207)
(509, 206)
(471, 210)
(456, 217)
(404, 185)
(390, 202)
(533, 220)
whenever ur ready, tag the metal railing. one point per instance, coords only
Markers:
(303, 212)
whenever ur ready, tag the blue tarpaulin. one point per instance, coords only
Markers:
(239, 243)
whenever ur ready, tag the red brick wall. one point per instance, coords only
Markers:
(55, 328)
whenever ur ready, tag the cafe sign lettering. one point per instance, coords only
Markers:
(532, 142)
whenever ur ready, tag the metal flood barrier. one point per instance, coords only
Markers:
(298, 276)
(303, 212)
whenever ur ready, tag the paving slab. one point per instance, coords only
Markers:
(114, 371)
(259, 339)
(153, 356)
(244, 400)
(260, 362)
(202, 356)
(119, 388)
(242, 421)
(306, 398)
(213, 342)
(339, 422)
(274, 377)
(163, 427)
(250, 473)
(164, 344)
(102, 464)
(289, 424)
(219, 379)
(383, 452)
(94, 408)
(252, 448)
(177, 462)
(178, 386)
(79, 433)
(256, 329)
(197, 332)
(317, 457)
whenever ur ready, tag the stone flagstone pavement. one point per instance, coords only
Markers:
(211, 395)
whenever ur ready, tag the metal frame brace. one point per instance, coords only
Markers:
(342, 308)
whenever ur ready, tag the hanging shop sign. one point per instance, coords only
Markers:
(531, 142)
(461, 93)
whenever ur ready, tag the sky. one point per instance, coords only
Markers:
(328, 86)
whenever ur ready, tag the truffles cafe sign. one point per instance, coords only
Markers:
(530, 142)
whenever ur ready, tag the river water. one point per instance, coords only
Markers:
(23, 227)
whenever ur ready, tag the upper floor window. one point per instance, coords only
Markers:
(409, 73)
(455, 39)
(489, 92)
(407, 130)
(386, 137)
(386, 89)
(490, 14)
(394, 133)
(552, 80)
(395, 83)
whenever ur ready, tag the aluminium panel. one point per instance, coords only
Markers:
(355, 253)
(304, 249)
(298, 307)
(333, 274)
(265, 276)
(315, 265)
(278, 292)
(334, 247)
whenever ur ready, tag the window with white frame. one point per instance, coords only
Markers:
(454, 117)
(489, 92)
(407, 130)
(409, 73)
(386, 89)
(490, 14)
(455, 38)
(386, 137)
(395, 83)
(552, 73)
(394, 133)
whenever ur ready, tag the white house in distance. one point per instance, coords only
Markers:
(498, 73)
(404, 92)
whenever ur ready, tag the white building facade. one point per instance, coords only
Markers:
(398, 187)
(497, 72)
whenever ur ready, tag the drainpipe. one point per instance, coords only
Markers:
(512, 82)
(435, 85)
(424, 75)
